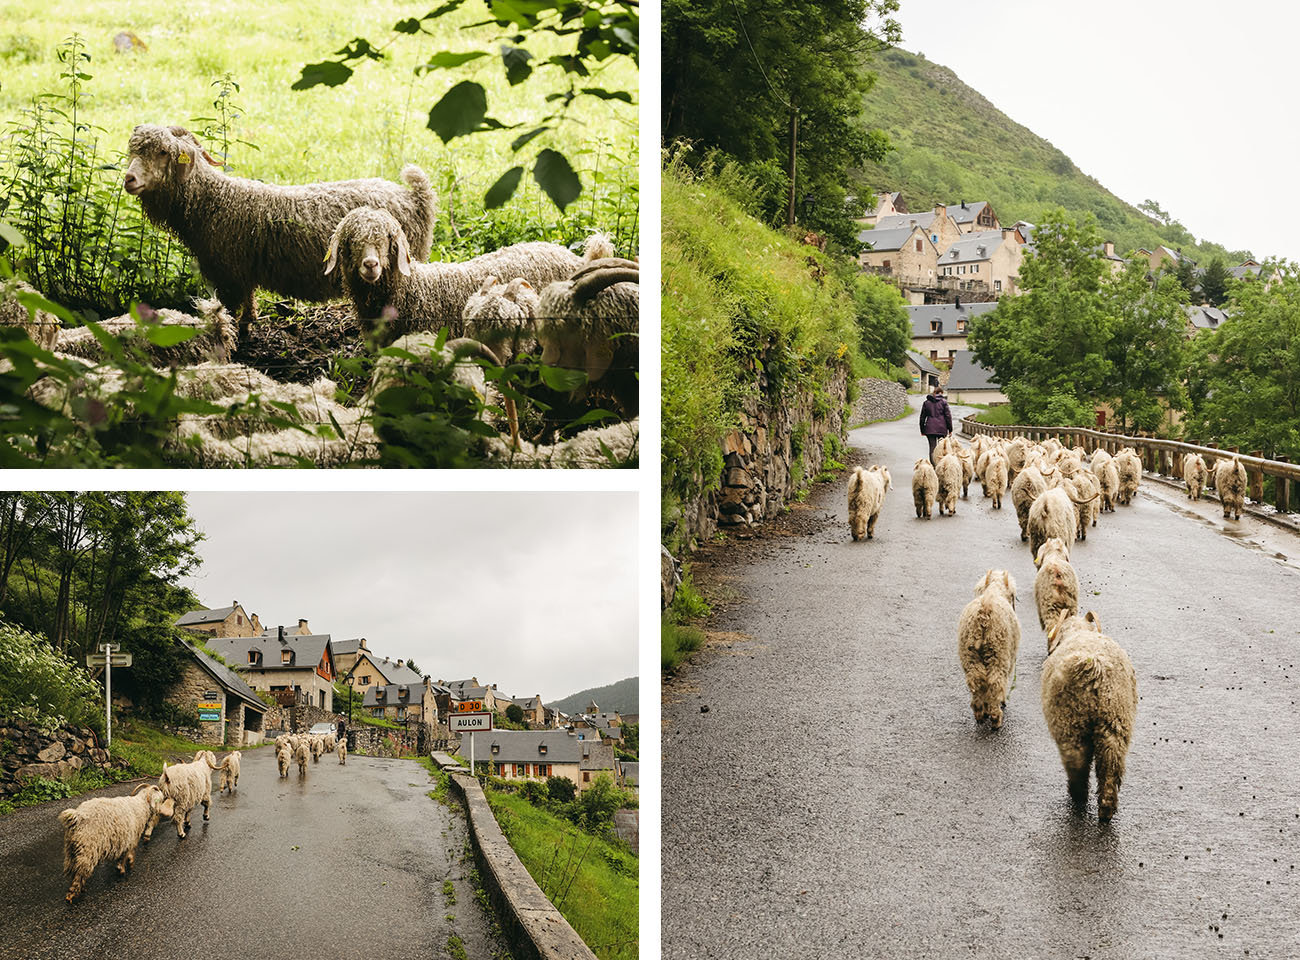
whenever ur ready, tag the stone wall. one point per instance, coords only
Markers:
(385, 742)
(25, 752)
(878, 400)
(775, 451)
(186, 694)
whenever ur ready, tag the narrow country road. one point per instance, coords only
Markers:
(347, 862)
(837, 800)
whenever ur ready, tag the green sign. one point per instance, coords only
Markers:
(209, 714)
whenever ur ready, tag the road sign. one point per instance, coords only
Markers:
(109, 647)
(470, 722)
(470, 706)
(209, 714)
(210, 704)
(100, 660)
(210, 695)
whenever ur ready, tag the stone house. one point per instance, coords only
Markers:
(1203, 317)
(229, 621)
(905, 253)
(1160, 256)
(887, 205)
(368, 671)
(629, 776)
(283, 662)
(974, 217)
(937, 224)
(924, 373)
(538, 754)
(534, 709)
(968, 382)
(227, 711)
(464, 691)
(401, 702)
(992, 257)
(1113, 260)
(939, 330)
(346, 654)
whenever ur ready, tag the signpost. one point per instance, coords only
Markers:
(109, 656)
(467, 722)
(210, 709)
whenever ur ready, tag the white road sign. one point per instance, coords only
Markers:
(100, 659)
(470, 722)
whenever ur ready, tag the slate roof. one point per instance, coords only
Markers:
(1205, 317)
(522, 746)
(882, 240)
(465, 690)
(966, 214)
(308, 650)
(631, 772)
(226, 677)
(1242, 270)
(972, 248)
(346, 646)
(527, 703)
(922, 364)
(948, 314)
(393, 673)
(968, 375)
(215, 615)
(901, 220)
(392, 695)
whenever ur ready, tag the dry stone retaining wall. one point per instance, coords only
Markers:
(878, 400)
(26, 752)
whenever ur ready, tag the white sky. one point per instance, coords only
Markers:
(1188, 102)
(535, 592)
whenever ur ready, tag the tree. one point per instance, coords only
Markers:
(515, 713)
(593, 32)
(1216, 282)
(1247, 372)
(1145, 349)
(410, 665)
(1050, 341)
(1153, 210)
(882, 318)
(1184, 271)
(778, 85)
(561, 789)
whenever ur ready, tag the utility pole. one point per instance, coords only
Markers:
(794, 139)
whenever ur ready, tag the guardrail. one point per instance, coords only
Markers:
(1164, 457)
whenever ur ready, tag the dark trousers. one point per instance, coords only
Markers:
(933, 438)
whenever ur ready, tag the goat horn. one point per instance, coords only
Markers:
(601, 264)
(483, 350)
(590, 286)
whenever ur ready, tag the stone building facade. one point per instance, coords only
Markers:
(229, 621)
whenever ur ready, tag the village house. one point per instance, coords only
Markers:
(538, 754)
(1204, 317)
(226, 710)
(229, 621)
(283, 661)
(992, 257)
(346, 654)
(534, 709)
(629, 776)
(1113, 260)
(924, 373)
(887, 205)
(968, 382)
(368, 671)
(939, 330)
(905, 253)
(468, 691)
(401, 702)
(1162, 255)
(974, 217)
(937, 224)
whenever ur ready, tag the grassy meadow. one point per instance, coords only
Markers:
(365, 127)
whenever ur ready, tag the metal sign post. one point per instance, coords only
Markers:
(108, 658)
(470, 723)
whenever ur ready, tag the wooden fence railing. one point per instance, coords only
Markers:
(1164, 457)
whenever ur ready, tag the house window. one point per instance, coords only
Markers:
(934, 238)
(543, 769)
(365, 680)
(934, 355)
(918, 246)
(961, 326)
(952, 356)
(997, 286)
(886, 265)
(252, 656)
(376, 711)
(975, 269)
(586, 776)
(501, 769)
(239, 620)
(286, 656)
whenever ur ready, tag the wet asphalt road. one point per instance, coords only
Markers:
(334, 865)
(837, 800)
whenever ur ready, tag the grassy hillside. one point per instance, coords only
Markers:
(621, 697)
(951, 144)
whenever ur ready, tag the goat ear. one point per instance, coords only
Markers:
(1092, 618)
(488, 283)
(332, 251)
(600, 354)
(403, 254)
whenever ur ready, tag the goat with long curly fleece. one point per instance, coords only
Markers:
(1085, 491)
(995, 478)
(343, 752)
(949, 473)
(214, 338)
(988, 638)
(283, 757)
(188, 785)
(108, 828)
(1051, 515)
(300, 755)
(1056, 587)
(1090, 702)
(1107, 473)
(867, 490)
(246, 234)
(1230, 481)
(1194, 473)
(1130, 474)
(925, 487)
(371, 257)
(229, 772)
(43, 328)
(1027, 487)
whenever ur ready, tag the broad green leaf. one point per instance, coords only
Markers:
(169, 336)
(448, 7)
(11, 235)
(561, 380)
(460, 111)
(503, 189)
(608, 94)
(516, 60)
(449, 59)
(409, 25)
(330, 73)
(592, 416)
(523, 139)
(554, 175)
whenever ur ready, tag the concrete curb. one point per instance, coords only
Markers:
(530, 921)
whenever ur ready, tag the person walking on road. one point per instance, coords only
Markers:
(936, 419)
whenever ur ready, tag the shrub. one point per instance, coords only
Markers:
(42, 686)
(561, 789)
(535, 792)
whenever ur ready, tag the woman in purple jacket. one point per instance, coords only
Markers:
(936, 419)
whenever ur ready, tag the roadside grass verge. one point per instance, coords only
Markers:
(591, 881)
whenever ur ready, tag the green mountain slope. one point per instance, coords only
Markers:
(953, 145)
(621, 697)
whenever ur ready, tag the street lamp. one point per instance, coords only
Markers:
(808, 203)
(351, 680)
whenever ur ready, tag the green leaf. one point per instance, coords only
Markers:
(11, 235)
(449, 59)
(503, 189)
(168, 336)
(460, 111)
(330, 73)
(448, 7)
(608, 94)
(409, 25)
(523, 139)
(516, 60)
(561, 380)
(592, 416)
(554, 175)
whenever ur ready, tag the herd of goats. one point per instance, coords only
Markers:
(110, 828)
(1089, 688)
(367, 241)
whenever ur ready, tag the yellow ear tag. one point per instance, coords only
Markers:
(183, 158)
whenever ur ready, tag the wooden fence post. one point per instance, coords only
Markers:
(1257, 479)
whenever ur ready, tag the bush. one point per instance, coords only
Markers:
(535, 792)
(561, 789)
(42, 686)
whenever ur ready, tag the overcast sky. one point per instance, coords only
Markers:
(1188, 102)
(535, 592)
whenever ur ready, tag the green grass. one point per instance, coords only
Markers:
(365, 127)
(998, 415)
(675, 642)
(592, 882)
(145, 747)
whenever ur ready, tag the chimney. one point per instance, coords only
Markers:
(257, 624)
(399, 661)
(281, 634)
(303, 629)
(494, 686)
(234, 603)
(959, 301)
(1109, 247)
(963, 204)
(940, 211)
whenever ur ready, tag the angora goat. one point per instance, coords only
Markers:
(214, 340)
(1056, 587)
(42, 328)
(1025, 489)
(995, 478)
(229, 772)
(1090, 702)
(1230, 481)
(1130, 474)
(370, 255)
(1194, 473)
(925, 487)
(108, 828)
(949, 473)
(188, 784)
(988, 637)
(867, 490)
(247, 234)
